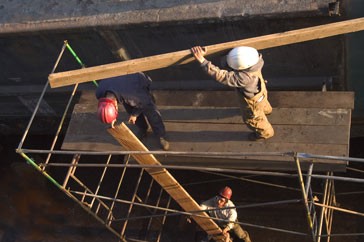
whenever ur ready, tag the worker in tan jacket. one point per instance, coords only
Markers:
(245, 75)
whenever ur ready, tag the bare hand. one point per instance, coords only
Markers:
(188, 219)
(199, 52)
(132, 119)
(227, 236)
(225, 231)
(113, 124)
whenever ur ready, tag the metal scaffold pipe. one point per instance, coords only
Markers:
(39, 101)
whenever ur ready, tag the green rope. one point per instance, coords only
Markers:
(77, 58)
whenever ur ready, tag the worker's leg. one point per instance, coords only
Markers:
(240, 233)
(155, 120)
(267, 107)
(265, 103)
(254, 116)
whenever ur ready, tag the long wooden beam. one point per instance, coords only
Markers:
(161, 175)
(182, 57)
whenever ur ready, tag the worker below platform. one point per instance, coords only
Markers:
(133, 91)
(222, 208)
(245, 65)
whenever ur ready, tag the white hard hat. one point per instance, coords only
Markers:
(242, 57)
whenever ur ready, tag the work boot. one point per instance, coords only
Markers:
(164, 143)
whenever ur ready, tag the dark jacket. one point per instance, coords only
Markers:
(133, 89)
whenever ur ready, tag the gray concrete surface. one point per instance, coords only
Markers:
(25, 16)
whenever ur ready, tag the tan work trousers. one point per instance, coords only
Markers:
(241, 233)
(254, 112)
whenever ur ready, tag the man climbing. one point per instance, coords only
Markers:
(223, 208)
(133, 91)
(246, 76)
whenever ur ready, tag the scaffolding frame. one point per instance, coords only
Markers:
(116, 213)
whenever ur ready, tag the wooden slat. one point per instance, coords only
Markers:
(232, 115)
(278, 99)
(202, 137)
(128, 140)
(253, 163)
(184, 56)
(220, 132)
(292, 116)
(315, 130)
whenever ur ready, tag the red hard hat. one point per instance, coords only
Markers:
(107, 111)
(226, 192)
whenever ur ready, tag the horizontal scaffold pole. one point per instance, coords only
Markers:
(183, 57)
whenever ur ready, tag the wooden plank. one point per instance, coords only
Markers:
(182, 57)
(312, 99)
(217, 138)
(232, 115)
(220, 129)
(253, 163)
(299, 83)
(221, 134)
(278, 99)
(292, 116)
(89, 127)
(161, 175)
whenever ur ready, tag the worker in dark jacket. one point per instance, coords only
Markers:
(246, 76)
(222, 208)
(133, 91)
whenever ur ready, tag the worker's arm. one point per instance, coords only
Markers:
(203, 207)
(132, 119)
(233, 215)
(135, 112)
(229, 78)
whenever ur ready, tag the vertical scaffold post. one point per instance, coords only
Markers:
(326, 214)
(109, 217)
(132, 201)
(305, 199)
(163, 220)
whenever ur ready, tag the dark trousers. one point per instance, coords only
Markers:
(150, 113)
(241, 233)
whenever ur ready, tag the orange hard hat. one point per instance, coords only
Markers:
(107, 111)
(226, 192)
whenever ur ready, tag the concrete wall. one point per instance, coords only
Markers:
(26, 16)
(355, 56)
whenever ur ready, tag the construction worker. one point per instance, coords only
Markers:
(223, 208)
(245, 64)
(133, 91)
